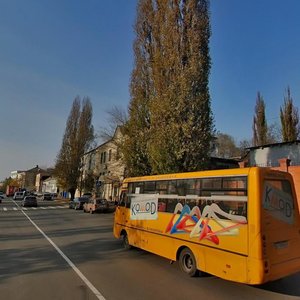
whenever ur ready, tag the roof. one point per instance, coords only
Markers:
(275, 145)
(118, 128)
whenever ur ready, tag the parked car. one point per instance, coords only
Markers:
(53, 195)
(78, 202)
(96, 205)
(19, 195)
(47, 196)
(1, 197)
(29, 201)
(87, 195)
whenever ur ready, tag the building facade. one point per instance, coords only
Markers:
(280, 156)
(103, 169)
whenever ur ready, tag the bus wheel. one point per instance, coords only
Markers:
(126, 244)
(187, 262)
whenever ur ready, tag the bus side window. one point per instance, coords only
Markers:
(128, 202)
(123, 198)
(162, 205)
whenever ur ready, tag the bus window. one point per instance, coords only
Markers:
(123, 198)
(162, 187)
(149, 187)
(128, 202)
(192, 202)
(211, 183)
(162, 205)
(171, 205)
(181, 187)
(136, 188)
(172, 189)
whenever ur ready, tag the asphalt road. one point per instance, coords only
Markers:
(53, 252)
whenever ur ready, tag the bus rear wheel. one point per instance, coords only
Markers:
(187, 262)
(126, 244)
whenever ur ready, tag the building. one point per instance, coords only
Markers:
(27, 179)
(49, 185)
(41, 177)
(279, 156)
(269, 155)
(103, 169)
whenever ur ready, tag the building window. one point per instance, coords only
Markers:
(103, 158)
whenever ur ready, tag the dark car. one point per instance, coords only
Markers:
(47, 196)
(1, 196)
(87, 195)
(96, 205)
(78, 202)
(29, 201)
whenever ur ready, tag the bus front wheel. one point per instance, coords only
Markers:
(187, 262)
(126, 244)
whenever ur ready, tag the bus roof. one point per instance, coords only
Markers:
(208, 173)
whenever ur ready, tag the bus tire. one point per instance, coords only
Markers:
(187, 262)
(126, 244)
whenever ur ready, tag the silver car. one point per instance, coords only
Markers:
(19, 195)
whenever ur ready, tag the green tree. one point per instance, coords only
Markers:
(289, 118)
(136, 131)
(170, 120)
(225, 146)
(77, 139)
(260, 126)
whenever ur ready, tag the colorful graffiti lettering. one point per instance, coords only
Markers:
(206, 225)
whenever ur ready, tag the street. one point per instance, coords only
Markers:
(53, 252)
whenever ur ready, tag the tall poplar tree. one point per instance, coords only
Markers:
(260, 126)
(170, 110)
(77, 139)
(136, 130)
(289, 118)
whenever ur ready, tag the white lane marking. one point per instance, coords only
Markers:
(42, 207)
(14, 208)
(34, 207)
(24, 208)
(4, 208)
(76, 270)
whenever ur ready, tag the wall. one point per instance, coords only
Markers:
(269, 156)
(284, 165)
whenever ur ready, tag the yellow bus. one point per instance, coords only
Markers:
(238, 224)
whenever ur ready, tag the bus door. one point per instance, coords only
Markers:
(121, 213)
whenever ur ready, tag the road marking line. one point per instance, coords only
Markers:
(24, 208)
(14, 208)
(4, 208)
(42, 207)
(70, 263)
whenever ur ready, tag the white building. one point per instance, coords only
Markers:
(269, 155)
(105, 166)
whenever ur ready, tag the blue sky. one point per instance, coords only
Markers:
(52, 51)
